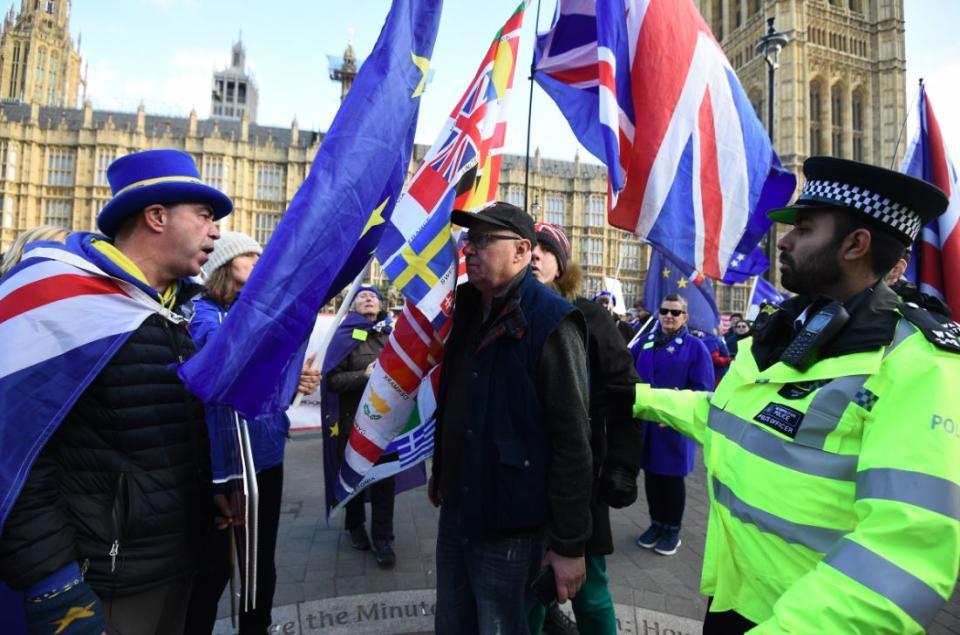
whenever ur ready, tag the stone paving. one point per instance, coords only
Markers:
(325, 586)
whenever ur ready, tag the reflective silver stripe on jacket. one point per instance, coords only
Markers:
(912, 595)
(810, 536)
(755, 440)
(923, 490)
(827, 407)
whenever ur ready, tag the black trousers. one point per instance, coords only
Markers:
(725, 623)
(381, 495)
(214, 573)
(666, 497)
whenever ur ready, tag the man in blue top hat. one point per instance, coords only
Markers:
(104, 493)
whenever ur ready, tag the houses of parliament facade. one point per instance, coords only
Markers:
(840, 90)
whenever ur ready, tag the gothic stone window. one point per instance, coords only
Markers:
(555, 209)
(596, 208)
(856, 122)
(836, 120)
(270, 183)
(58, 212)
(60, 167)
(815, 118)
(266, 222)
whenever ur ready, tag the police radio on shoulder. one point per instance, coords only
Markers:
(820, 329)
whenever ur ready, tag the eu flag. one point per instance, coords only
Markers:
(333, 225)
(666, 276)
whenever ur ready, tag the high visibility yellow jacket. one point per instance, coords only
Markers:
(834, 492)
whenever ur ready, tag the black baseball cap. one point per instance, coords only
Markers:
(499, 214)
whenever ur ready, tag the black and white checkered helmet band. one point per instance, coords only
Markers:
(895, 215)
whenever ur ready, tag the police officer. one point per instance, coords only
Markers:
(834, 479)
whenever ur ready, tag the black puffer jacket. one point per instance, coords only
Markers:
(129, 466)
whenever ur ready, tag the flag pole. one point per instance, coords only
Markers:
(903, 128)
(533, 68)
(341, 312)
(753, 291)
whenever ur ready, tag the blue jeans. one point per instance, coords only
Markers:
(483, 586)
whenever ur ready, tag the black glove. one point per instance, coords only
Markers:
(618, 487)
(75, 611)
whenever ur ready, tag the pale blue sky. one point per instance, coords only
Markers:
(164, 51)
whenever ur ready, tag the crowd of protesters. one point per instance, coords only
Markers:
(117, 517)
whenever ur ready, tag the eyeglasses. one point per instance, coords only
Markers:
(482, 241)
(673, 312)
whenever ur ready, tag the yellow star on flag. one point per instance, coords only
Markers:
(423, 64)
(665, 272)
(73, 614)
(376, 218)
(682, 283)
(335, 429)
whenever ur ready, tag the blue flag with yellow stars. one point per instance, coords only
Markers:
(745, 266)
(325, 238)
(664, 276)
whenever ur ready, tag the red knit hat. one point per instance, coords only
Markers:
(553, 238)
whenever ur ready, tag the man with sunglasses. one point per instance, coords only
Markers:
(832, 458)
(512, 468)
(669, 357)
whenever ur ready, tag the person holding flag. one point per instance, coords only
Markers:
(347, 367)
(830, 446)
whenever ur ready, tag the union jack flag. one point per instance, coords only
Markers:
(700, 168)
(935, 266)
(52, 319)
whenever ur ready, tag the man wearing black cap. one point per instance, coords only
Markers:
(831, 445)
(512, 465)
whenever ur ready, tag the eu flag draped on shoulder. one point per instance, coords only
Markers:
(935, 266)
(393, 429)
(331, 228)
(665, 276)
(648, 90)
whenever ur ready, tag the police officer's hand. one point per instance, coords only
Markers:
(618, 487)
(569, 573)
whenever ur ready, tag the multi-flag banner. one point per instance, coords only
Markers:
(935, 266)
(331, 228)
(648, 90)
(419, 255)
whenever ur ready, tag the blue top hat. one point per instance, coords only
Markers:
(165, 177)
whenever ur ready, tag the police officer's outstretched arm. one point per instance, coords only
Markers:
(898, 567)
(683, 410)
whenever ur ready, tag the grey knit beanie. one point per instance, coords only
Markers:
(229, 246)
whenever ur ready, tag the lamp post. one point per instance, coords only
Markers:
(770, 45)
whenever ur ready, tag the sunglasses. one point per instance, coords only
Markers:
(482, 241)
(673, 312)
